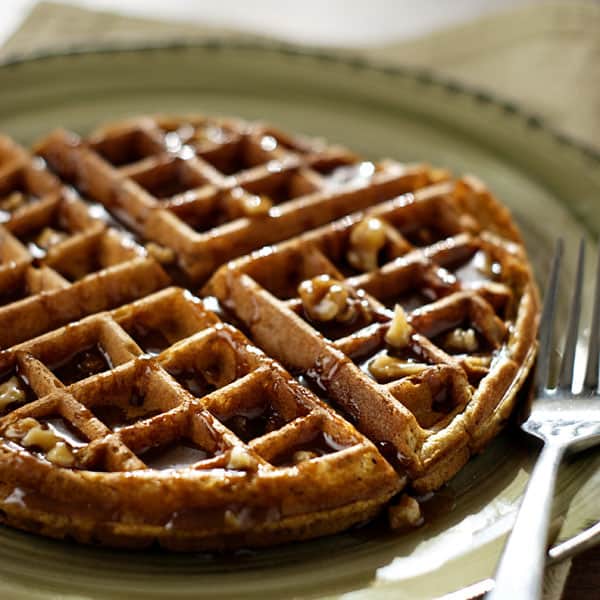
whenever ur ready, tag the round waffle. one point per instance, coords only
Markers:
(132, 411)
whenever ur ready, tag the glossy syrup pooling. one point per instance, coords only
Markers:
(40, 238)
(478, 269)
(335, 330)
(15, 391)
(119, 411)
(66, 431)
(116, 417)
(151, 340)
(250, 424)
(359, 173)
(319, 445)
(175, 455)
(389, 451)
(408, 361)
(85, 363)
(193, 381)
(169, 179)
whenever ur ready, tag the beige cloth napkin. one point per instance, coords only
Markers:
(545, 58)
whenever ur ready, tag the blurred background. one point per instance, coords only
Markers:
(542, 55)
(335, 22)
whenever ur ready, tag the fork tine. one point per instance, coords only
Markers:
(565, 379)
(591, 373)
(547, 320)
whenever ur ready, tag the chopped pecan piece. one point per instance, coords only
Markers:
(368, 237)
(11, 392)
(405, 513)
(398, 335)
(326, 299)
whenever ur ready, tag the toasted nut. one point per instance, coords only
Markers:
(11, 392)
(17, 430)
(61, 455)
(368, 237)
(31, 433)
(406, 513)
(398, 335)
(239, 459)
(42, 438)
(159, 253)
(12, 201)
(461, 340)
(326, 299)
(302, 455)
(386, 368)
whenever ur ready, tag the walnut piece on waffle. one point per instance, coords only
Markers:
(58, 260)
(26, 186)
(430, 366)
(157, 421)
(214, 189)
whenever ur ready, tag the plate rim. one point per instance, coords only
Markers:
(509, 108)
(425, 75)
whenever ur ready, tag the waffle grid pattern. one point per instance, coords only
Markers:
(214, 189)
(161, 385)
(59, 262)
(470, 306)
(132, 412)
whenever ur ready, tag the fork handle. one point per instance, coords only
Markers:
(521, 569)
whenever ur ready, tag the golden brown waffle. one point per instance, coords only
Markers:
(156, 421)
(58, 262)
(131, 412)
(434, 384)
(214, 189)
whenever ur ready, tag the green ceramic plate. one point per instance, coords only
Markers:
(551, 185)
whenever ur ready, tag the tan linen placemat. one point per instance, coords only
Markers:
(545, 58)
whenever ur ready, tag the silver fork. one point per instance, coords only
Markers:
(567, 422)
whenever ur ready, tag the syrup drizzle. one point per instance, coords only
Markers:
(251, 424)
(85, 363)
(175, 455)
(320, 444)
